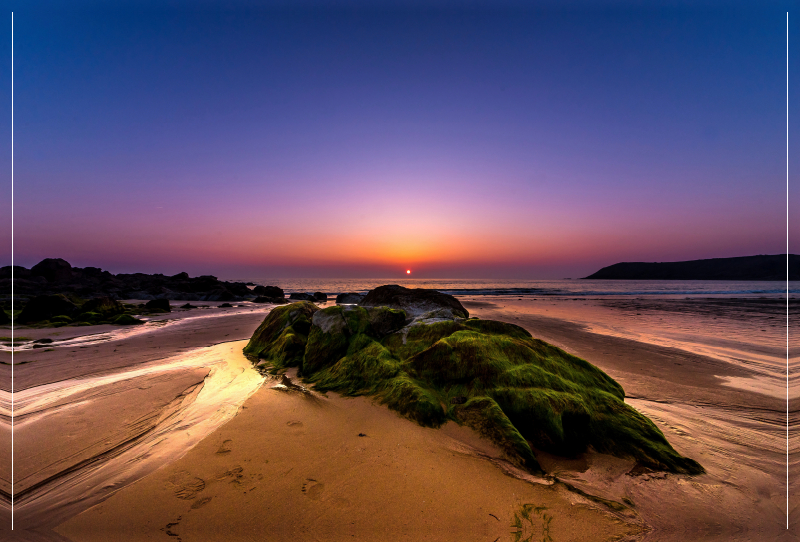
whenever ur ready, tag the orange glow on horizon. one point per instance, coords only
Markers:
(408, 271)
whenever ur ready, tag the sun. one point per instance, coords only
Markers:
(408, 271)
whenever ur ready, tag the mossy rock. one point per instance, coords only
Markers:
(281, 338)
(103, 305)
(520, 392)
(126, 320)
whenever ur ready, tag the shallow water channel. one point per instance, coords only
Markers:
(54, 489)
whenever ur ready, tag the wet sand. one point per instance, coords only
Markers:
(308, 474)
(298, 467)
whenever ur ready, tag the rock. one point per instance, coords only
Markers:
(269, 291)
(281, 337)
(162, 304)
(320, 296)
(188, 306)
(45, 307)
(517, 391)
(225, 306)
(299, 296)
(414, 302)
(103, 305)
(52, 269)
(275, 300)
(180, 276)
(350, 298)
(126, 320)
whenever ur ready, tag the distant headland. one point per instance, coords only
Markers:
(761, 267)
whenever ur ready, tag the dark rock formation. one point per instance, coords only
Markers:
(188, 306)
(225, 306)
(56, 276)
(45, 307)
(268, 291)
(743, 268)
(162, 304)
(299, 296)
(52, 269)
(413, 301)
(350, 298)
(320, 296)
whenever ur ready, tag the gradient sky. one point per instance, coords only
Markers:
(454, 139)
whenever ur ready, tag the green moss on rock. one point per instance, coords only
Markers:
(281, 338)
(520, 392)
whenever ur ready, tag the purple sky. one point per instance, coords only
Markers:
(352, 142)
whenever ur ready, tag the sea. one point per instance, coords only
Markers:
(550, 288)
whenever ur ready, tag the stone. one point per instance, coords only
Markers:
(268, 291)
(45, 307)
(349, 298)
(103, 305)
(300, 296)
(320, 296)
(415, 302)
(162, 304)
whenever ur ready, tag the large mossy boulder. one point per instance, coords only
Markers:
(520, 392)
(414, 302)
(281, 338)
(45, 307)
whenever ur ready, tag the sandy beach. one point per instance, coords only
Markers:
(293, 464)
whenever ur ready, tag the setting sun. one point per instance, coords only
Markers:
(408, 271)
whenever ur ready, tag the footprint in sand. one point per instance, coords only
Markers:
(200, 502)
(225, 447)
(234, 474)
(313, 489)
(185, 485)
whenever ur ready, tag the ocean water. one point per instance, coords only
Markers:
(550, 288)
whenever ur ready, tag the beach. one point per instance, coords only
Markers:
(293, 464)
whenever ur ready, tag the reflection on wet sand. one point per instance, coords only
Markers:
(79, 440)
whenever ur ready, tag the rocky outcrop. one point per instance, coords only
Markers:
(320, 296)
(414, 302)
(520, 392)
(57, 276)
(349, 298)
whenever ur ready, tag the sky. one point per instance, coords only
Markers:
(354, 139)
